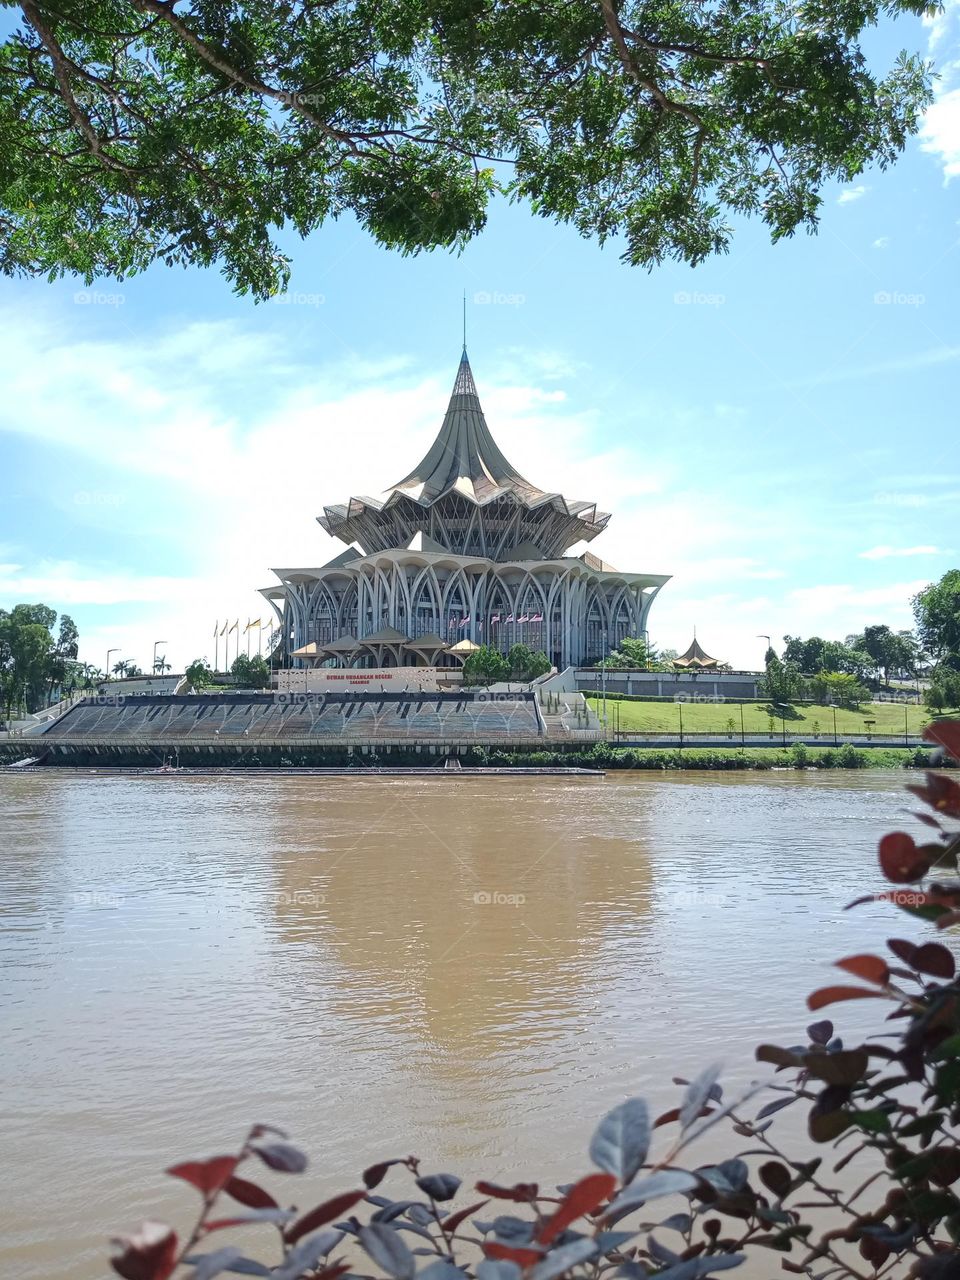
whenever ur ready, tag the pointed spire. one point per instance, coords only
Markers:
(465, 456)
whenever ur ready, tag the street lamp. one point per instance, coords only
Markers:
(107, 670)
(155, 643)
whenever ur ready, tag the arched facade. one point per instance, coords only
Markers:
(461, 548)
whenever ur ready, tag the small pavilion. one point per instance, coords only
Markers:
(696, 658)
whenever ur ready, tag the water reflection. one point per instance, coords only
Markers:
(454, 915)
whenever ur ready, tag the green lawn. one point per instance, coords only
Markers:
(713, 717)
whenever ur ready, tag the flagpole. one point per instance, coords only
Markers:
(248, 639)
(216, 645)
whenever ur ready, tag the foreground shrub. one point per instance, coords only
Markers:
(646, 1209)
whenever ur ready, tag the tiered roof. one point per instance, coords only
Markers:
(463, 473)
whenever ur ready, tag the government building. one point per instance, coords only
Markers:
(461, 552)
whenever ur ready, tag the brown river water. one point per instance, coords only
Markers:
(472, 970)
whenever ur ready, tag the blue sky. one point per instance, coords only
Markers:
(776, 429)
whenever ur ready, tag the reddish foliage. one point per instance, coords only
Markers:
(934, 960)
(331, 1209)
(208, 1176)
(449, 1225)
(900, 859)
(373, 1176)
(581, 1199)
(947, 734)
(250, 1194)
(674, 1114)
(520, 1193)
(939, 792)
(507, 1253)
(149, 1254)
(833, 995)
(869, 968)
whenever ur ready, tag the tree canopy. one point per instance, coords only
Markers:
(137, 131)
(937, 613)
(34, 659)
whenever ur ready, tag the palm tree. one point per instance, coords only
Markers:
(161, 665)
(122, 667)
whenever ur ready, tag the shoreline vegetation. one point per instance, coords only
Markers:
(599, 756)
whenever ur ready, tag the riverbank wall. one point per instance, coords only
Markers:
(598, 756)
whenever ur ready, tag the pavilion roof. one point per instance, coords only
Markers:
(696, 656)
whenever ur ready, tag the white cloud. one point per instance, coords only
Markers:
(940, 132)
(885, 553)
(882, 242)
(940, 129)
(852, 193)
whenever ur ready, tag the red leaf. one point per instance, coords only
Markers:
(208, 1176)
(582, 1198)
(935, 960)
(449, 1225)
(250, 1194)
(331, 1273)
(373, 1176)
(940, 793)
(902, 949)
(947, 734)
(506, 1253)
(833, 995)
(869, 968)
(900, 859)
(335, 1207)
(520, 1193)
(674, 1114)
(149, 1254)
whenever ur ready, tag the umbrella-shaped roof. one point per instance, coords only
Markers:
(696, 656)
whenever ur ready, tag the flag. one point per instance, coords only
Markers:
(536, 617)
(224, 630)
(254, 623)
(523, 619)
(465, 622)
(234, 627)
(509, 617)
(216, 629)
(495, 618)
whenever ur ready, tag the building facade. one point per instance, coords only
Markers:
(462, 549)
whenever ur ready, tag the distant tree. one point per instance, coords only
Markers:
(782, 681)
(121, 668)
(250, 673)
(891, 652)
(526, 663)
(485, 665)
(635, 653)
(199, 674)
(935, 697)
(944, 691)
(161, 665)
(839, 688)
(805, 655)
(133, 670)
(33, 663)
(937, 612)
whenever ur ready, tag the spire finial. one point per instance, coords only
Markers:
(464, 322)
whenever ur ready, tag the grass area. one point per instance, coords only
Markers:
(715, 717)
